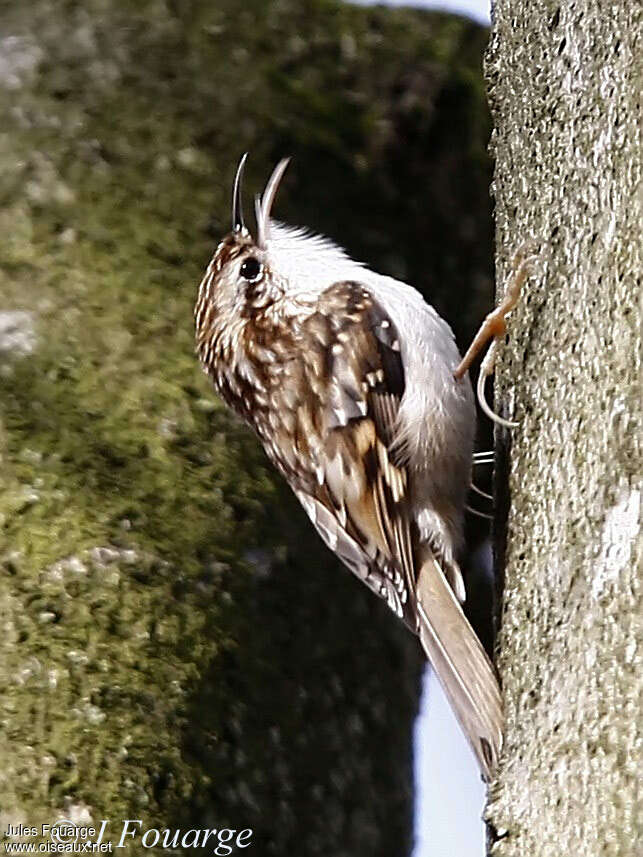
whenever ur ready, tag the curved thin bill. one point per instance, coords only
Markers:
(263, 209)
(238, 224)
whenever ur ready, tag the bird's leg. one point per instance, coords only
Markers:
(493, 328)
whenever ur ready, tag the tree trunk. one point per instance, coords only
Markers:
(565, 101)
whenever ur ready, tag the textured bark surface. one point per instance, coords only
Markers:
(176, 644)
(565, 88)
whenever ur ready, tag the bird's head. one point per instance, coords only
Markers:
(278, 273)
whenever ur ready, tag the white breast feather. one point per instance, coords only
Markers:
(436, 414)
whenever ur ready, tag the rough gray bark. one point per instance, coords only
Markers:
(565, 98)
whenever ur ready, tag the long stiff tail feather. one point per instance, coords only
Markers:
(461, 664)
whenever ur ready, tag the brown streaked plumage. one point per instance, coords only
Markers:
(347, 379)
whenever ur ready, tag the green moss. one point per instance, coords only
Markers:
(177, 644)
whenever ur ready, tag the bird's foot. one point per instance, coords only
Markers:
(494, 328)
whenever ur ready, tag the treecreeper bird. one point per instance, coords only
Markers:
(347, 377)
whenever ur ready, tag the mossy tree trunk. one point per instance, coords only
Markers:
(177, 646)
(564, 81)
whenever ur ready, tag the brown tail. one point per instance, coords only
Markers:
(461, 664)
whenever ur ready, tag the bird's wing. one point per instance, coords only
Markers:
(339, 402)
(349, 384)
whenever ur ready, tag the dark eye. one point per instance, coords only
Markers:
(251, 269)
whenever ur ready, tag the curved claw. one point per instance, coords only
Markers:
(480, 492)
(527, 252)
(479, 514)
(484, 456)
(486, 369)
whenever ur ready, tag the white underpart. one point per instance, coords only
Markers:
(437, 414)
